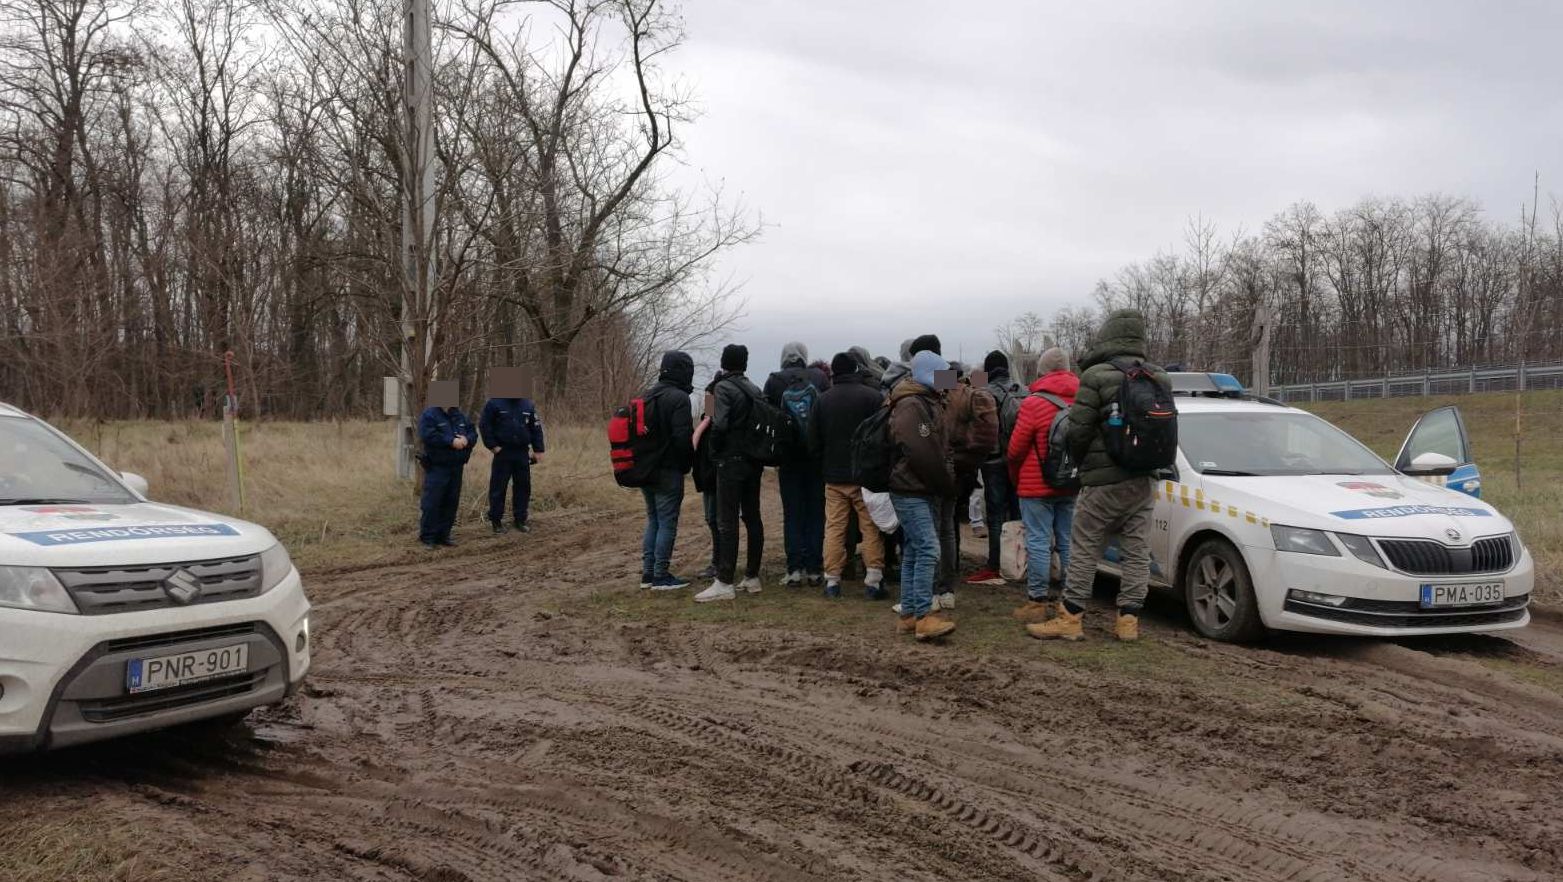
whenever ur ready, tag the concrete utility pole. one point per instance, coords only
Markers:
(417, 215)
(1264, 327)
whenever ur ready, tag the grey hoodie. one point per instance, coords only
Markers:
(870, 369)
(795, 355)
(900, 370)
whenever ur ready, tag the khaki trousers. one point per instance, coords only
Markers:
(840, 501)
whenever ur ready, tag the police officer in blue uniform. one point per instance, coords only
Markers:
(514, 432)
(448, 439)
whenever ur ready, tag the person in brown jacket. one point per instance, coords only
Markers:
(920, 478)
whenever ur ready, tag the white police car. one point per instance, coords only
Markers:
(1273, 518)
(119, 615)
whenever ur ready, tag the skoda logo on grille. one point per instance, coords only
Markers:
(1453, 534)
(183, 587)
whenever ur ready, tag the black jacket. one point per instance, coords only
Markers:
(668, 401)
(782, 380)
(837, 414)
(734, 403)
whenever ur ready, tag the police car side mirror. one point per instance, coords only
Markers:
(1170, 473)
(134, 482)
(1431, 463)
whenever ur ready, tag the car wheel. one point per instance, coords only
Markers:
(1220, 594)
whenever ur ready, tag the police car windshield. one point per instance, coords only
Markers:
(1254, 443)
(37, 466)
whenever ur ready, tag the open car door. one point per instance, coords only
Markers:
(1438, 451)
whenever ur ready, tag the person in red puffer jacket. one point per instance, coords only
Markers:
(1048, 514)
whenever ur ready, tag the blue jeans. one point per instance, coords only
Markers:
(1048, 523)
(803, 516)
(920, 556)
(664, 497)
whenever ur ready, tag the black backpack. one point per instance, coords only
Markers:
(873, 452)
(1009, 412)
(1140, 429)
(768, 436)
(1059, 470)
(633, 444)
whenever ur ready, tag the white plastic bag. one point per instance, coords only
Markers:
(881, 510)
(1012, 551)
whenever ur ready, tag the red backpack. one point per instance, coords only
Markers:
(631, 444)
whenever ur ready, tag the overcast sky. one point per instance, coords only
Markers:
(942, 167)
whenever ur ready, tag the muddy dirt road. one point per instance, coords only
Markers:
(497, 721)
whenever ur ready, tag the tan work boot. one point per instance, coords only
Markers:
(1127, 628)
(934, 625)
(1033, 611)
(906, 625)
(1064, 626)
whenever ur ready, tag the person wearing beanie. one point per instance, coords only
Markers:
(670, 416)
(795, 389)
(919, 480)
(737, 478)
(1048, 512)
(927, 343)
(849, 401)
(1113, 500)
(735, 358)
(1000, 504)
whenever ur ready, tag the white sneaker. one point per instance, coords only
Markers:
(873, 578)
(945, 600)
(719, 590)
(896, 609)
(793, 579)
(751, 584)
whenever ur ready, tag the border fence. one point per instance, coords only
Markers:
(1466, 381)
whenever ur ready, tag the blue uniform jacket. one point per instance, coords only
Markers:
(511, 424)
(438, 428)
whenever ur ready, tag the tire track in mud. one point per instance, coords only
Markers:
(466, 730)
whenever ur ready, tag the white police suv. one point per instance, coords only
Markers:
(120, 615)
(1273, 518)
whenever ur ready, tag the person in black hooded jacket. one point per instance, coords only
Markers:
(668, 402)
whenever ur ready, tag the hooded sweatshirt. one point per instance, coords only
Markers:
(1122, 336)
(1028, 443)
(870, 369)
(922, 462)
(668, 399)
(850, 400)
(794, 369)
(900, 370)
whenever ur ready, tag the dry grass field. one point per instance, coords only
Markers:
(328, 489)
(1535, 503)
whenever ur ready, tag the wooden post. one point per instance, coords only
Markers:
(1263, 329)
(231, 439)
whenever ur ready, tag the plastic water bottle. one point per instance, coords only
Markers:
(1114, 416)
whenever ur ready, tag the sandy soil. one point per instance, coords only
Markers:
(486, 722)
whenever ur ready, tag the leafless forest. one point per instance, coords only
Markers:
(1383, 286)
(182, 178)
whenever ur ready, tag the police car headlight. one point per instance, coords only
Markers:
(1362, 547)
(275, 566)
(1302, 541)
(34, 588)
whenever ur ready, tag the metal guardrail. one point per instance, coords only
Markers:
(1453, 382)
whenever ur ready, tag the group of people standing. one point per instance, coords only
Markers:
(947, 436)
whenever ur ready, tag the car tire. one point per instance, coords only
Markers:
(1219, 594)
